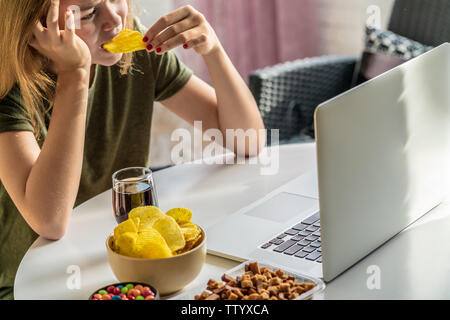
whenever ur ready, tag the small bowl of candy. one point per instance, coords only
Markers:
(126, 291)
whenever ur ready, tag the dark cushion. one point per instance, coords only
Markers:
(383, 51)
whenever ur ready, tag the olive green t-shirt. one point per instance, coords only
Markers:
(118, 125)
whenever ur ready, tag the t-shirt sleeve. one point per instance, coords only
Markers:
(169, 73)
(13, 115)
(170, 77)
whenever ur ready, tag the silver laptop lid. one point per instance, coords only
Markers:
(383, 156)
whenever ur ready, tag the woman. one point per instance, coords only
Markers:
(72, 113)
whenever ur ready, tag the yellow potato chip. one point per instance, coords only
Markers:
(171, 232)
(151, 245)
(147, 216)
(130, 225)
(190, 231)
(125, 243)
(149, 233)
(196, 240)
(126, 41)
(181, 215)
(191, 244)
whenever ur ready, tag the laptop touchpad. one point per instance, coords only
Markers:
(283, 207)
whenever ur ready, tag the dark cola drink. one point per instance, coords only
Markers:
(131, 194)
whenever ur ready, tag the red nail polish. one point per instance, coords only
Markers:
(185, 46)
(145, 39)
(149, 47)
(158, 50)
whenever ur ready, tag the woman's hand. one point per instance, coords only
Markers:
(185, 27)
(66, 50)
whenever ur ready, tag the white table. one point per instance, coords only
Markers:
(415, 264)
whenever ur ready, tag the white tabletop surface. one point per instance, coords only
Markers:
(413, 265)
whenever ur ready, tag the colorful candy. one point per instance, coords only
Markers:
(139, 287)
(147, 292)
(127, 292)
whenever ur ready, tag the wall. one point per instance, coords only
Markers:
(342, 30)
(164, 121)
(342, 24)
(151, 10)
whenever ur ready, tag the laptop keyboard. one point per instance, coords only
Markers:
(301, 241)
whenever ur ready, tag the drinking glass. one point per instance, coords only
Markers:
(132, 187)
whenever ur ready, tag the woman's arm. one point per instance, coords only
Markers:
(44, 183)
(230, 104)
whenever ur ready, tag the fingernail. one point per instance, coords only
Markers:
(149, 47)
(145, 39)
(185, 46)
(158, 50)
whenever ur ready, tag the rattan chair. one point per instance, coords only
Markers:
(288, 94)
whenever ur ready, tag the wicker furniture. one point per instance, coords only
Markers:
(288, 94)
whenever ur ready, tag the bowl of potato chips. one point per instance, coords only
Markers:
(165, 249)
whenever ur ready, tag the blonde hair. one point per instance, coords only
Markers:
(22, 65)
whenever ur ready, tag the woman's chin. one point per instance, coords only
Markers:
(108, 59)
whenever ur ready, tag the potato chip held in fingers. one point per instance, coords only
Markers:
(126, 41)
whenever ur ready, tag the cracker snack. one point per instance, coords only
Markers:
(255, 284)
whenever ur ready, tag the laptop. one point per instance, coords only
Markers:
(382, 163)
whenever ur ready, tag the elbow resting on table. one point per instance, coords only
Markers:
(53, 228)
(53, 232)
(254, 152)
(251, 148)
